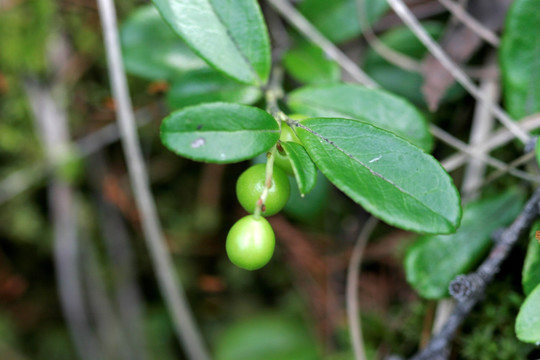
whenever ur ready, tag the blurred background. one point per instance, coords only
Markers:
(70, 232)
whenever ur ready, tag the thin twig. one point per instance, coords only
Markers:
(168, 280)
(480, 130)
(497, 139)
(392, 56)
(473, 175)
(482, 31)
(21, 180)
(460, 145)
(410, 20)
(469, 289)
(128, 298)
(353, 273)
(512, 165)
(107, 323)
(51, 119)
(297, 20)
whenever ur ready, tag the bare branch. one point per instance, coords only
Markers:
(168, 281)
(297, 20)
(482, 31)
(480, 132)
(497, 139)
(469, 289)
(409, 19)
(458, 144)
(21, 180)
(394, 57)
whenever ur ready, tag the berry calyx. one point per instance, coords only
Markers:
(251, 184)
(281, 159)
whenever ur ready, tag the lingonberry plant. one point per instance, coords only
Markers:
(230, 104)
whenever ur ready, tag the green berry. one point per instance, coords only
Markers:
(250, 242)
(250, 186)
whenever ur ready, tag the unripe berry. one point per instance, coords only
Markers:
(250, 242)
(250, 186)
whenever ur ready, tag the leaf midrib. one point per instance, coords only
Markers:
(350, 156)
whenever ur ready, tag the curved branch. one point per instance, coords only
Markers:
(353, 272)
(168, 281)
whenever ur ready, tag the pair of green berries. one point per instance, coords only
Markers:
(251, 241)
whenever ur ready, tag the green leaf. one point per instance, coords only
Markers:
(338, 20)
(304, 169)
(397, 80)
(388, 176)
(308, 64)
(520, 58)
(266, 337)
(528, 319)
(377, 107)
(229, 34)
(432, 262)
(208, 85)
(152, 50)
(531, 267)
(219, 132)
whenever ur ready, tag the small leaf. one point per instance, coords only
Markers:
(338, 20)
(208, 85)
(304, 169)
(308, 64)
(152, 50)
(272, 336)
(219, 132)
(377, 107)
(229, 34)
(528, 319)
(531, 267)
(520, 58)
(432, 262)
(388, 176)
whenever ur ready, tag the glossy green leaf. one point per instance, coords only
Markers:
(531, 267)
(208, 85)
(266, 337)
(400, 81)
(308, 64)
(338, 20)
(432, 262)
(152, 50)
(229, 34)
(303, 167)
(377, 107)
(528, 319)
(219, 132)
(520, 58)
(388, 176)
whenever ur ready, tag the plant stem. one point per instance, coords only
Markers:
(267, 182)
(353, 273)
